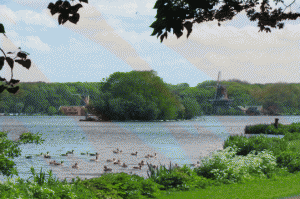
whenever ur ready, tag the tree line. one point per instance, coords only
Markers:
(142, 95)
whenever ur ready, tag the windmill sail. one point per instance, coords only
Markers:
(221, 99)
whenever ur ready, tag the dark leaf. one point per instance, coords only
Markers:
(50, 6)
(25, 63)
(188, 25)
(280, 25)
(85, 1)
(58, 3)
(10, 62)
(2, 79)
(2, 30)
(2, 88)
(75, 18)
(2, 62)
(63, 17)
(54, 10)
(22, 55)
(74, 9)
(66, 5)
(13, 81)
(13, 90)
(178, 34)
(162, 36)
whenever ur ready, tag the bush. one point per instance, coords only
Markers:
(52, 110)
(290, 160)
(256, 129)
(122, 185)
(257, 143)
(227, 167)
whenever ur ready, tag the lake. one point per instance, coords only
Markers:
(181, 142)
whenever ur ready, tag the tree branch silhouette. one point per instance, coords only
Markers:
(175, 13)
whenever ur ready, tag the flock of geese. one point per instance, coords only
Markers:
(142, 163)
(114, 161)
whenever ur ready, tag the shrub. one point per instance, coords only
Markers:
(290, 160)
(227, 167)
(121, 185)
(256, 129)
(257, 143)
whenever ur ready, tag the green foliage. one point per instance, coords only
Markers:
(133, 92)
(192, 108)
(122, 185)
(19, 107)
(29, 110)
(257, 143)
(52, 110)
(40, 188)
(10, 149)
(290, 160)
(256, 129)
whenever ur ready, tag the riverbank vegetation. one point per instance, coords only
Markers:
(144, 92)
(243, 166)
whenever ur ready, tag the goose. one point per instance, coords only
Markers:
(111, 160)
(124, 165)
(64, 154)
(75, 166)
(134, 153)
(29, 157)
(93, 154)
(196, 165)
(107, 169)
(142, 163)
(147, 156)
(117, 162)
(153, 166)
(56, 163)
(153, 156)
(96, 160)
(117, 151)
(52, 162)
(47, 155)
(176, 165)
(139, 167)
(70, 152)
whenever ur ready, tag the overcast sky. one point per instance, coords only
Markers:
(114, 35)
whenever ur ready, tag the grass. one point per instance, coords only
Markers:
(256, 167)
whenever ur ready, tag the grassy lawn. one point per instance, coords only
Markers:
(256, 167)
(264, 189)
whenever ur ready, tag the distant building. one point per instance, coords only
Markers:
(251, 110)
(72, 110)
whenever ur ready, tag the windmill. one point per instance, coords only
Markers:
(221, 99)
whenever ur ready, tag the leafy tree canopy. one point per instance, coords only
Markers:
(175, 13)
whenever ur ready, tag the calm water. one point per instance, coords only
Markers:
(64, 133)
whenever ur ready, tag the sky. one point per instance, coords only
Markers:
(114, 36)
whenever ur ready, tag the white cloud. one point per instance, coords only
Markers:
(31, 17)
(33, 42)
(7, 14)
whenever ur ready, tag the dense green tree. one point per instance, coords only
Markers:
(29, 110)
(133, 92)
(192, 108)
(19, 107)
(52, 110)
